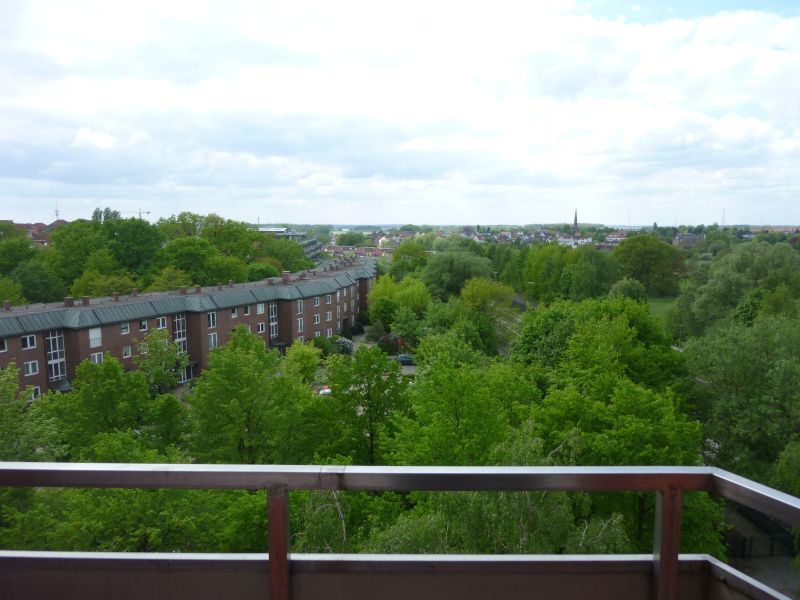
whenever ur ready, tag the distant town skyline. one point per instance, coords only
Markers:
(440, 113)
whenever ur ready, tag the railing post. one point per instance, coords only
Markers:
(666, 543)
(278, 514)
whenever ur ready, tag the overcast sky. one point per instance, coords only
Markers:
(427, 111)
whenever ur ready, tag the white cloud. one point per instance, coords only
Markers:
(511, 111)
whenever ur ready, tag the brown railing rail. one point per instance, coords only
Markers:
(668, 483)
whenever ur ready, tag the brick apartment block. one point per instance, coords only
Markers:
(48, 341)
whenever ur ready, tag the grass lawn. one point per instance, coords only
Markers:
(659, 307)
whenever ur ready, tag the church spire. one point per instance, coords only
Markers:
(575, 224)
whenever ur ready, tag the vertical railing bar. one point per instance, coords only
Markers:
(278, 525)
(666, 543)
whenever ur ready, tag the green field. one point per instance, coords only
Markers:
(659, 307)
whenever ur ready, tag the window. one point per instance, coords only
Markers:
(262, 328)
(124, 328)
(3, 345)
(95, 337)
(273, 320)
(317, 333)
(234, 312)
(36, 391)
(299, 307)
(338, 311)
(338, 294)
(97, 358)
(247, 310)
(328, 299)
(317, 320)
(126, 352)
(299, 324)
(28, 342)
(328, 316)
(56, 356)
(143, 325)
(329, 332)
(161, 323)
(211, 319)
(301, 339)
(260, 308)
(30, 368)
(345, 292)
(352, 305)
(212, 340)
(316, 300)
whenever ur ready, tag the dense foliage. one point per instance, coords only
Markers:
(588, 377)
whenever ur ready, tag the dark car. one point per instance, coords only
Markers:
(405, 359)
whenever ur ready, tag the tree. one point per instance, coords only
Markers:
(543, 272)
(192, 255)
(26, 432)
(39, 282)
(71, 246)
(653, 262)
(134, 242)
(447, 272)
(591, 275)
(302, 360)
(169, 278)
(13, 251)
(352, 238)
(367, 394)
(243, 408)
(408, 257)
(92, 283)
(746, 268)
(104, 399)
(259, 270)
(746, 381)
(160, 360)
(12, 291)
(231, 238)
(628, 288)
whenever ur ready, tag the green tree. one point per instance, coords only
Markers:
(192, 255)
(71, 246)
(544, 269)
(367, 393)
(408, 257)
(303, 360)
(92, 283)
(12, 291)
(746, 381)
(447, 272)
(38, 280)
(13, 251)
(352, 238)
(628, 288)
(591, 275)
(259, 270)
(653, 262)
(104, 399)
(133, 242)
(243, 408)
(160, 360)
(169, 278)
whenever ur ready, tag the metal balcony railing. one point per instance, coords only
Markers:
(668, 483)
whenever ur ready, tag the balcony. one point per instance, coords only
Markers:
(663, 575)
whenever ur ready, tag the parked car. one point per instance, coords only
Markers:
(405, 359)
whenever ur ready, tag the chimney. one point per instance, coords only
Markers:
(69, 301)
(219, 286)
(134, 292)
(230, 282)
(271, 281)
(182, 291)
(287, 276)
(85, 300)
(198, 289)
(7, 305)
(115, 297)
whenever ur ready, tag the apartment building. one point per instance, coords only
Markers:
(48, 341)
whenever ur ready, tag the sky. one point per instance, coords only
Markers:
(427, 112)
